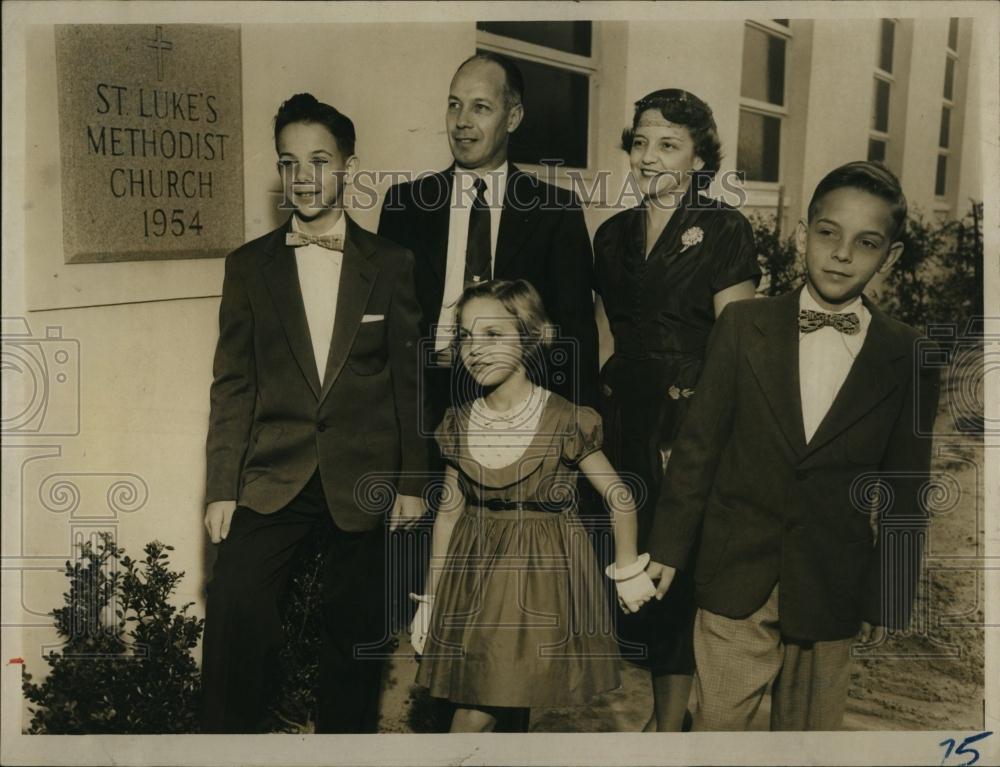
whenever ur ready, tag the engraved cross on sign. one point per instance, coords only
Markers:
(160, 45)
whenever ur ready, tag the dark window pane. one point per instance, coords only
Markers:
(783, 22)
(763, 67)
(945, 128)
(556, 113)
(876, 150)
(949, 78)
(880, 114)
(953, 34)
(886, 43)
(568, 36)
(941, 176)
(759, 146)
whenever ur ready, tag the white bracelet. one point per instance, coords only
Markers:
(629, 571)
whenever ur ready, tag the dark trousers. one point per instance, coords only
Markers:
(243, 624)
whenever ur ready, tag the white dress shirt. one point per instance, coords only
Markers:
(463, 194)
(319, 283)
(825, 358)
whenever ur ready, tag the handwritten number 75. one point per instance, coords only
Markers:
(962, 750)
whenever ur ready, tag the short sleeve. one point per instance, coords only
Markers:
(735, 253)
(446, 436)
(586, 437)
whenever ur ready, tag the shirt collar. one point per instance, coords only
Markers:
(338, 228)
(496, 183)
(806, 301)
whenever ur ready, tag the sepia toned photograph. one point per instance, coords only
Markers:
(500, 383)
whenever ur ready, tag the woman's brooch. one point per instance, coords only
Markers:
(691, 237)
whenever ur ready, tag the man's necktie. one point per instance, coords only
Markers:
(297, 239)
(477, 249)
(810, 320)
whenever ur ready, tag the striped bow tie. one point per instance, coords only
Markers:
(810, 320)
(296, 239)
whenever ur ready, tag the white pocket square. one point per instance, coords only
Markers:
(373, 318)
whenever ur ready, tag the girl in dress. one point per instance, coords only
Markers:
(664, 271)
(515, 614)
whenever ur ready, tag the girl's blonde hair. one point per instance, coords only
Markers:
(520, 298)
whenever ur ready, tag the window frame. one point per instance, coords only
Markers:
(887, 77)
(766, 108)
(572, 62)
(949, 103)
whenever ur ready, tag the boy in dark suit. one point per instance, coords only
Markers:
(314, 393)
(806, 401)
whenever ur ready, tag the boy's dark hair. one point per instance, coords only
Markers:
(520, 298)
(513, 87)
(871, 177)
(305, 108)
(683, 108)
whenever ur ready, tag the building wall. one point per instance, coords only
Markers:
(145, 368)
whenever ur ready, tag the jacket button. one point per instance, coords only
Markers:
(321, 426)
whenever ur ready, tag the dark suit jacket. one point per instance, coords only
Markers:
(272, 424)
(543, 239)
(757, 505)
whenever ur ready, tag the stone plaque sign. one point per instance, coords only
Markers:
(150, 127)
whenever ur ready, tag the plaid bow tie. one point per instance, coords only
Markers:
(296, 239)
(847, 322)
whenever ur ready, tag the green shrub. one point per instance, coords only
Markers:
(126, 666)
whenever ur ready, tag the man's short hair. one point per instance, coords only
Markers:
(513, 87)
(871, 177)
(305, 108)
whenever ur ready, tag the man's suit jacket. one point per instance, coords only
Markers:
(757, 505)
(543, 239)
(272, 424)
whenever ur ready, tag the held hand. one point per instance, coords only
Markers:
(421, 623)
(663, 575)
(407, 510)
(634, 592)
(218, 518)
(866, 635)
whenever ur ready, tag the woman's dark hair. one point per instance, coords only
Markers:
(304, 108)
(683, 108)
(871, 177)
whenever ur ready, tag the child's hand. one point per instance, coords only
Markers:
(663, 575)
(634, 592)
(407, 510)
(866, 635)
(218, 517)
(421, 623)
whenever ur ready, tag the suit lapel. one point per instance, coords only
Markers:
(357, 278)
(774, 360)
(282, 279)
(870, 379)
(521, 207)
(438, 189)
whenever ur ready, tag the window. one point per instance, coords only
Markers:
(878, 140)
(558, 64)
(947, 107)
(762, 100)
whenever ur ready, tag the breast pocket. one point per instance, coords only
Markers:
(369, 352)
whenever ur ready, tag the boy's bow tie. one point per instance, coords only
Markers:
(810, 320)
(296, 239)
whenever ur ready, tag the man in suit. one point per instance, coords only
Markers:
(314, 419)
(484, 218)
(807, 404)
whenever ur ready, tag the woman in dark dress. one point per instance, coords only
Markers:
(664, 271)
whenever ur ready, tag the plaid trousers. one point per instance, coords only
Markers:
(737, 659)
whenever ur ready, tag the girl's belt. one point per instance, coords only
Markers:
(501, 504)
